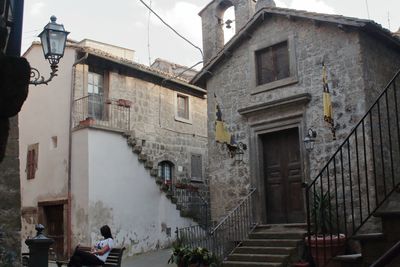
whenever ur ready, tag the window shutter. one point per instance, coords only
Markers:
(272, 63)
(32, 161)
(196, 166)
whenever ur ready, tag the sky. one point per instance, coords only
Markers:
(127, 23)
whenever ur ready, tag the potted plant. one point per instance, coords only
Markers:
(197, 257)
(182, 184)
(325, 242)
(87, 122)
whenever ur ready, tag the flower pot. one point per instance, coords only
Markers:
(124, 103)
(87, 122)
(180, 186)
(325, 247)
(301, 264)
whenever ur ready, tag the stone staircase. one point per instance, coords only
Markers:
(374, 245)
(269, 245)
(186, 202)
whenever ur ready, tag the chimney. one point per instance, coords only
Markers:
(212, 23)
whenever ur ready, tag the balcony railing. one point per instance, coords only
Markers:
(96, 110)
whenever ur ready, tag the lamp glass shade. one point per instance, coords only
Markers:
(53, 38)
(308, 143)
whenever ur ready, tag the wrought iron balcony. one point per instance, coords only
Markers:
(97, 111)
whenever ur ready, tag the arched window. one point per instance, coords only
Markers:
(165, 169)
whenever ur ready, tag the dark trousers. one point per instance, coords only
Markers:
(81, 257)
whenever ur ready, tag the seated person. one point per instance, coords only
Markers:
(98, 254)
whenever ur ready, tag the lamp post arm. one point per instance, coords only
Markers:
(37, 79)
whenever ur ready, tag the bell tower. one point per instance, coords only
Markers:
(212, 22)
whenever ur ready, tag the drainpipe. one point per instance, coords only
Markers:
(69, 204)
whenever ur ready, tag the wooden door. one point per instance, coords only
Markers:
(283, 179)
(54, 225)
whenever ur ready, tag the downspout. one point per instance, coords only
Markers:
(69, 204)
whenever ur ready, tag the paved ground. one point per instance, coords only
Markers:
(152, 259)
(157, 258)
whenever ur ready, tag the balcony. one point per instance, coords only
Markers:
(97, 111)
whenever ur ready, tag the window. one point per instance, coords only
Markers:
(54, 142)
(183, 106)
(95, 95)
(32, 161)
(165, 171)
(196, 167)
(272, 63)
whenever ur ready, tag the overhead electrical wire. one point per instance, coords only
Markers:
(148, 35)
(166, 24)
(366, 3)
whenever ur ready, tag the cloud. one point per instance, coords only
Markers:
(183, 18)
(36, 8)
(280, 3)
(312, 5)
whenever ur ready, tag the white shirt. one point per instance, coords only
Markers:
(101, 244)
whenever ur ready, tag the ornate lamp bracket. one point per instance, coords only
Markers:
(37, 78)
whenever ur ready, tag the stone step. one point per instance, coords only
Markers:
(369, 236)
(287, 225)
(137, 148)
(257, 257)
(265, 250)
(387, 214)
(277, 235)
(352, 260)
(142, 157)
(270, 242)
(390, 224)
(251, 264)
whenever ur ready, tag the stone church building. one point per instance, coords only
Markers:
(267, 83)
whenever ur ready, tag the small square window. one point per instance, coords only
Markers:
(54, 142)
(183, 107)
(273, 63)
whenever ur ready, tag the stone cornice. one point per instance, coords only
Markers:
(301, 99)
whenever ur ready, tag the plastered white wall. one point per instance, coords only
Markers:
(123, 195)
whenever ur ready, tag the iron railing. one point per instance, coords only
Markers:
(388, 257)
(95, 110)
(227, 234)
(190, 201)
(359, 177)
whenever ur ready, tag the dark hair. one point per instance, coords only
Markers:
(106, 231)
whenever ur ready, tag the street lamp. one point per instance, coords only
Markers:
(309, 139)
(53, 38)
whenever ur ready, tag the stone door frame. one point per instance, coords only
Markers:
(278, 115)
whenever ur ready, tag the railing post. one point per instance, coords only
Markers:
(39, 248)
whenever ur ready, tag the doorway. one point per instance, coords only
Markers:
(53, 219)
(283, 177)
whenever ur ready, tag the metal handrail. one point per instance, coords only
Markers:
(227, 234)
(388, 257)
(193, 202)
(359, 177)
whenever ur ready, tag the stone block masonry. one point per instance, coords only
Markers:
(10, 201)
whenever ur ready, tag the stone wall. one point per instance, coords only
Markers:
(233, 84)
(212, 16)
(380, 63)
(154, 123)
(10, 201)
